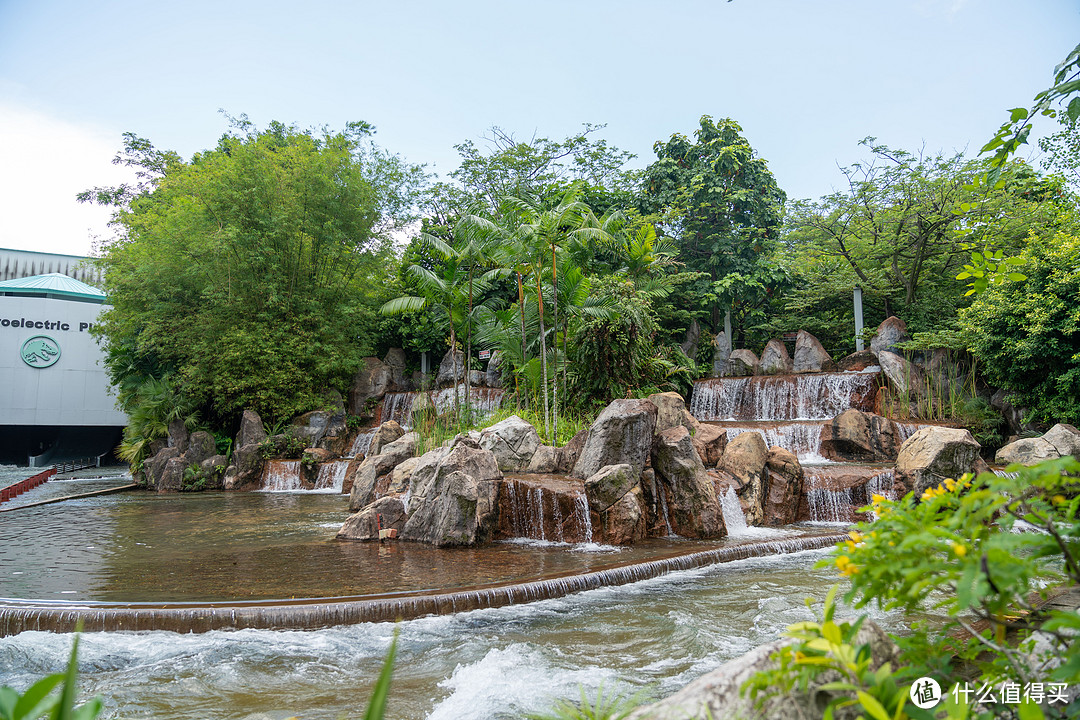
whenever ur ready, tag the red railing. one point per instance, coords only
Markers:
(12, 491)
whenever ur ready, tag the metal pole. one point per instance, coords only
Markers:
(727, 328)
(858, 319)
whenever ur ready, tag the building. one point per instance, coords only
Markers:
(55, 400)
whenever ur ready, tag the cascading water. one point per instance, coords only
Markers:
(282, 476)
(362, 443)
(835, 493)
(734, 517)
(815, 396)
(547, 508)
(801, 438)
(398, 406)
(331, 476)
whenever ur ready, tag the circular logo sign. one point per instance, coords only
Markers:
(40, 351)
(925, 693)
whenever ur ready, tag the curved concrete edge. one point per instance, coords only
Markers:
(20, 616)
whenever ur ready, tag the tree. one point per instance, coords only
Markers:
(242, 273)
(719, 201)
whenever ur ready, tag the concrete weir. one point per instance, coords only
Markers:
(17, 616)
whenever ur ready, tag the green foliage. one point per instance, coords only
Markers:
(151, 407)
(376, 708)
(195, 479)
(246, 271)
(282, 445)
(1026, 336)
(39, 700)
(611, 707)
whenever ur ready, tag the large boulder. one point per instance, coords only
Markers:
(785, 487)
(775, 359)
(856, 436)
(247, 467)
(172, 475)
(622, 433)
(906, 378)
(395, 360)
(252, 431)
(890, 333)
(1065, 439)
(401, 475)
(810, 355)
(742, 363)
(718, 694)
(857, 361)
(201, 446)
(933, 454)
(671, 411)
(386, 513)
(693, 509)
(1013, 416)
(1026, 451)
(178, 435)
(312, 426)
(513, 441)
(451, 369)
(458, 503)
(493, 372)
(709, 441)
(693, 334)
(386, 433)
(608, 485)
(155, 466)
(624, 522)
(371, 382)
(367, 474)
(721, 353)
(745, 458)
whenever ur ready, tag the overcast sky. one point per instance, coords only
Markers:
(806, 79)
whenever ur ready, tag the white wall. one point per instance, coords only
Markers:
(74, 390)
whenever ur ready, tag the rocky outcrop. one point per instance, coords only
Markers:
(247, 460)
(451, 369)
(810, 355)
(890, 333)
(857, 361)
(386, 433)
(709, 441)
(624, 522)
(373, 467)
(856, 436)
(401, 475)
(718, 693)
(785, 487)
(742, 363)
(252, 431)
(457, 504)
(1065, 438)
(395, 360)
(165, 470)
(312, 426)
(693, 509)
(905, 378)
(745, 459)
(178, 435)
(775, 359)
(1013, 416)
(933, 454)
(671, 411)
(493, 372)
(622, 433)
(513, 441)
(371, 382)
(1026, 451)
(690, 343)
(721, 354)
(386, 513)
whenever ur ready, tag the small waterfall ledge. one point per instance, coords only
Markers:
(18, 616)
(815, 396)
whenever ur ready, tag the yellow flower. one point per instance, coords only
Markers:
(959, 549)
(855, 536)
(950, 484)
(846, 567)
(1058, 499)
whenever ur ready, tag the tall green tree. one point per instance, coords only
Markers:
(242, 272)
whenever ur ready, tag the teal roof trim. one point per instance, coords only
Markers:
(53, 285)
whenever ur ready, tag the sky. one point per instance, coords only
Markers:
(806, 80)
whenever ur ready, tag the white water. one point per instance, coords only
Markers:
(817, 396)
(801, 439)
(362, 443)
(734, 518)
(283, 476)
(398, 406)
(331, 476)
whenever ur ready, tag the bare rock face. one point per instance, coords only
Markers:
(1013, 416)
(693, 334)
(624, 522)
(251, 429)
(200, 447)
(710, 442)
(446, 377)
(155, 466)
(493, 372)
(172, 475)
(374, 467)
(1065, 438)
(395, 360)
(693, 509)
(717, 694)
(1027, 451)
(903, 376)
(458, 505)
(387, 433)
(785, 487)
(371, 382)
(856, 436)
(721, 354)
(933, 454)
(570, 452)
(247, 467)
(608, 485)
(671, 411)
(386, 513)
(513, 441)
(545, 460)
(400, 476)
(178, 435)
(622, 433)
(890, 332)
(857, 361)
(810, 355)
(745, 459)
(775, 359)
(543, 508)
(742, 363)
(312, 426)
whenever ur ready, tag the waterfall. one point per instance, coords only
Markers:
(581, 511)
(830, 505)
(331, 476)
(362, 443)
(664, 513)
(544, 508)
(803, 439)
(282, 476)
(398, 406)
(816, 396)
(734, 518)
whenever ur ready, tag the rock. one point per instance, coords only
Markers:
(395, 360)
(318, 455)
(155, 466)
(624, 522)
(545, 460)
(856, 436)
(742, 363)
(857, 361)
(570, 452)
(622, 433)
(201, 446)
(247, 467)
(400, 475)
(172, 476)
(889, 333)
(1065, 439)
(1026, 451)
(493, 372)
(670, 411)
(608, 485)
(710, 441)
(312, 426)
(214, 465)
(375, 466)
(693, 334)
(447, 377)
(933, 454)
(1013, 416)
(371, 382)
(721, 354)
(717, 694)
(513, 441)
(470, 439)
(693, 509)
(424, 472)
(810, 355)
(542, 507)
(905, 378)
(387, 433)
(178, 435)
(745, 458)
(386, 513)
(785, 487)
(477, 378)
(251, 429)
(775, 359)
(459, 504)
